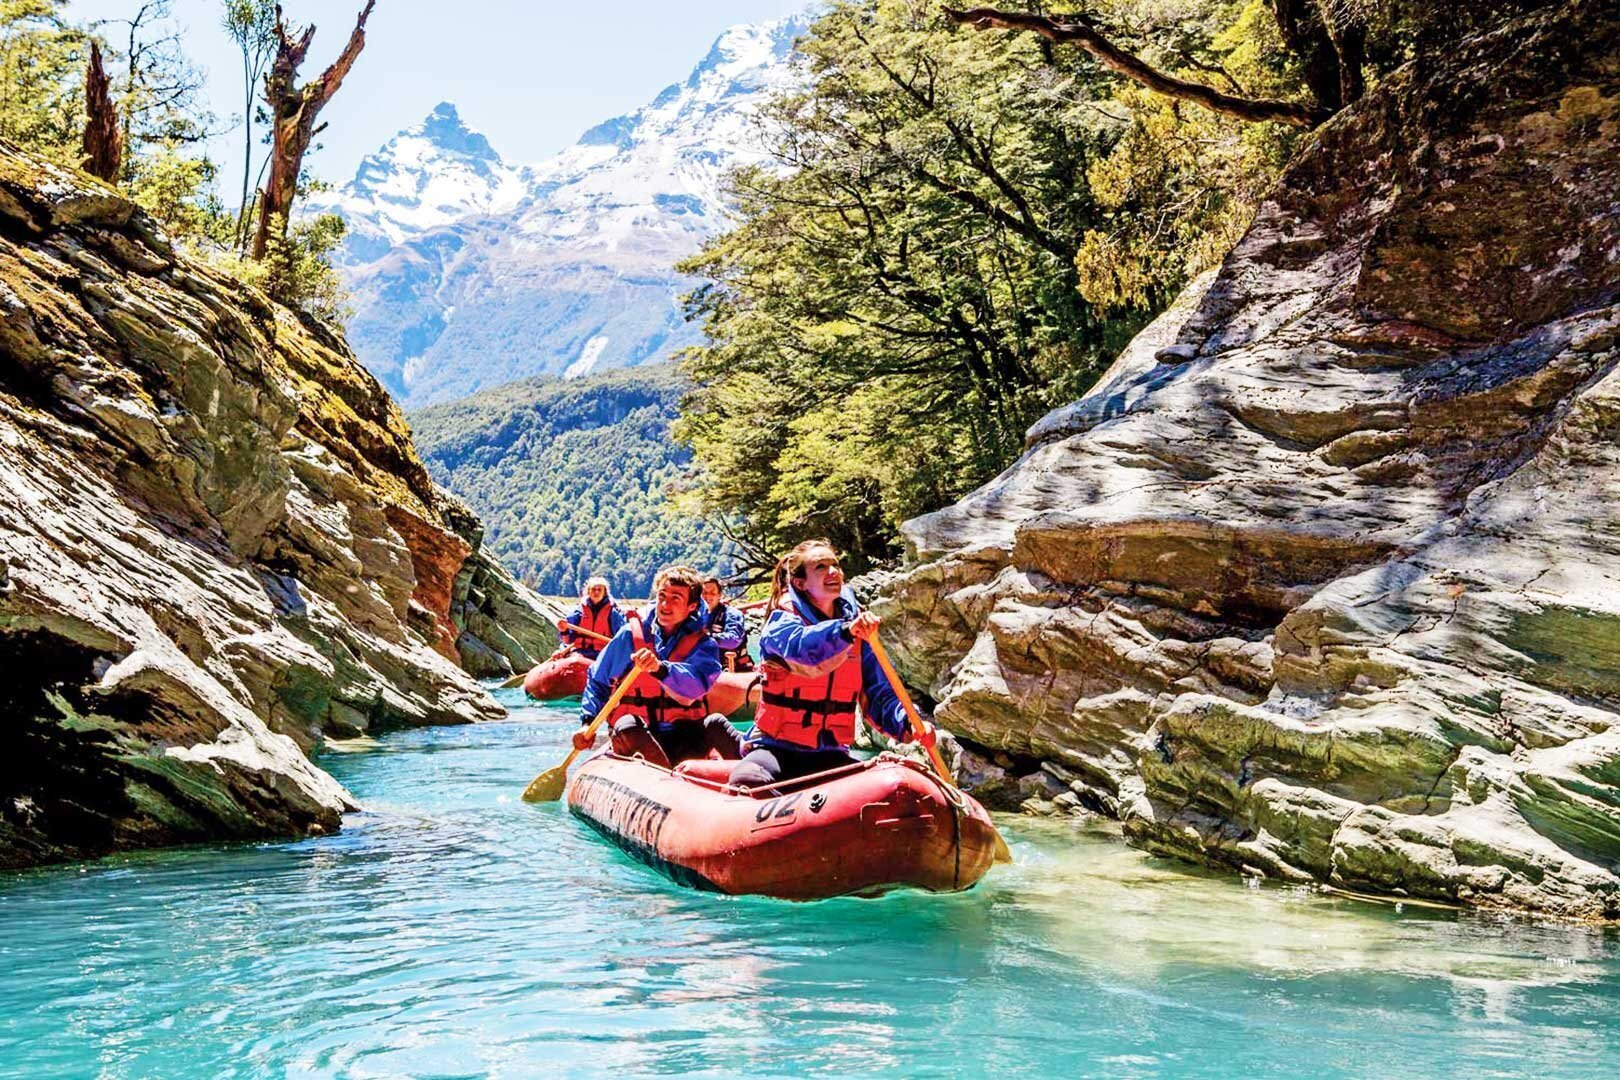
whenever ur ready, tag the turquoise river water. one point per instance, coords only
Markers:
(453, 931)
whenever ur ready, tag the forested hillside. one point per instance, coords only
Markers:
(572, 477)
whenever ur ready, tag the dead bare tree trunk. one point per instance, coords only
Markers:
(293, 109)
(103, 143)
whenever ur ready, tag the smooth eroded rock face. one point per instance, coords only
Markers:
(217, 545)
(1323, 580)
(503, 626)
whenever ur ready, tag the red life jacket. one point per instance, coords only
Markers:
(597, 622)
(796, 708)
(647, 697)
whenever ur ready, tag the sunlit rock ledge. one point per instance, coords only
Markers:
(217, 545)
(1322, 582)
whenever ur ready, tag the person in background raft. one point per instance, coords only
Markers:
(728, 627)
(597, 613)
(817, 666)
(674, 662)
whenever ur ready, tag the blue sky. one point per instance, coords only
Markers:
(532, 76)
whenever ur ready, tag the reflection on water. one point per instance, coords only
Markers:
(452, 930)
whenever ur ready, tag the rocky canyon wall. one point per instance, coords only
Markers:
(1322, 581)
(217, 545)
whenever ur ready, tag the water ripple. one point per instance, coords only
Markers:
(452, 930)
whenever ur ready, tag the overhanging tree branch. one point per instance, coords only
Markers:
(977, 155)
(1134, 68)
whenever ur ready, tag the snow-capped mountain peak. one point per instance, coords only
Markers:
(431, 174)
(662, 166)
(444, 129)
(561, 267)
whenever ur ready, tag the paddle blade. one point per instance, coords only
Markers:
(548, 786)
(1003, 853)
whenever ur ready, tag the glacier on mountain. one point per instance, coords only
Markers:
(557, 268)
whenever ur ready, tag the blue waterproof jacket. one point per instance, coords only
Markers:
(588, 647)
(729, 628)
(787, 638)
(687, 679)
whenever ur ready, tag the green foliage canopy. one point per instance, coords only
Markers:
(963, 230)
(42, 58)
(157, 95)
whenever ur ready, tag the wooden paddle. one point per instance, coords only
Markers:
(592, 634)
(548, 786)
(1003, 854)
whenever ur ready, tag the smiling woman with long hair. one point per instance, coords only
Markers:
(818, 667)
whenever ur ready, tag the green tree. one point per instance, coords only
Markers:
(574, 477)
(159, 102)
(297, 270)
(156, 115)
(42, 60)
(176, 188)
(251, 24)
(158, 89)
(902, 295)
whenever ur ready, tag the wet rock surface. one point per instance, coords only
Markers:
(1322, 582)
(218, 544)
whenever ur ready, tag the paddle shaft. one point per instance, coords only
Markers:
(611, 703)
(582, 632)
(549, 785)
(1002, 852)
(602, 713)
(911, 710)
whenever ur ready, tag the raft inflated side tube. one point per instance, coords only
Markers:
(560, 677)
(735, 694)
(860, 830)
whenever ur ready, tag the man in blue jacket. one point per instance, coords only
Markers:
(667, 650)
(728, 627)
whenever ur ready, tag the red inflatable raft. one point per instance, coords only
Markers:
(864, 829)
(559, 677)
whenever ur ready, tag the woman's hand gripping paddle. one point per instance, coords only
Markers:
(548, 786)
(944, 771)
